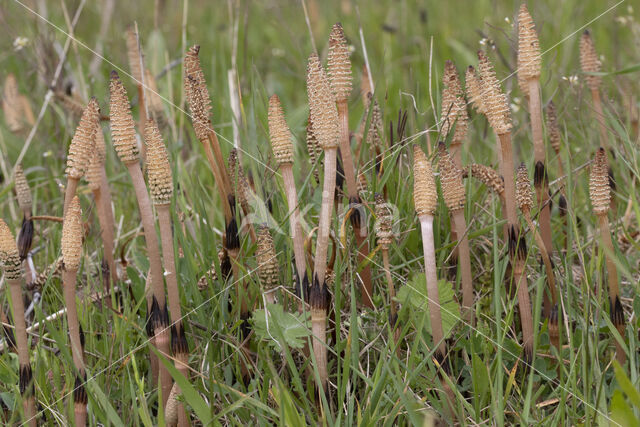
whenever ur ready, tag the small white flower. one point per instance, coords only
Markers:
(19, 43)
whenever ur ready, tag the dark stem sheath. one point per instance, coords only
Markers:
(22, 344)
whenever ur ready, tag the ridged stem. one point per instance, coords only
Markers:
(142, 120)
(70, 192)
(426, 224)
(22, 344)
(352, 190)
(324, 225)
(319, 331)
(107, 243)
(542, 189)
(507, 170)
(391, 290)
(109, 226)
(602, 127)
(614, 290)
(524, 303)
(168, 256)
(545, 259)
(157, 273)
(77, 351)
(464, 253)
(294, 223)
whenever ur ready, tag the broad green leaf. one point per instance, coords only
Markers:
(414, 293)
(275, 324)
(621, 413)
(625, 384)
(480, 381)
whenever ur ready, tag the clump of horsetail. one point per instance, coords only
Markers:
(555, 139)
(524, 198)
(600, 195)
(97, 178)
(10, 263)
(124, 140)
(267, 264)
(340, 77)
(324, 122)
(529, 66)
(453, 111)
(71, 244)
(384, 235)
(161, 188)
(499, 116)
(455, 199)
(282, 146)
(80, 149)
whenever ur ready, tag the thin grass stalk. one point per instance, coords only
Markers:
(384, 234)
(10, 263)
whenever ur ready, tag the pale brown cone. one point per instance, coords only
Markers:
(524, 195)
(9, 256)
(195, 86)
(279, 133)
(474, 90)
(239, 180)
(322, 106)
(451, 181)
(529, 55)
(589, 60)
(488, 177)
(495, 101)
(83, 141)
(313, 149)
(425, 195)
(599, 189)
(158, 168)
(376, 126)
(23, 191)
(11, 104)
(266, 258)
(554, 129)
(72, 231)
(133, 55)
(123, 133)
(454, 109)
(384, 222)
(339, 65)
(362, 183)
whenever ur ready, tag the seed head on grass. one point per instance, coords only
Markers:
(339, 65)
(589, 61)
(529, 56)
